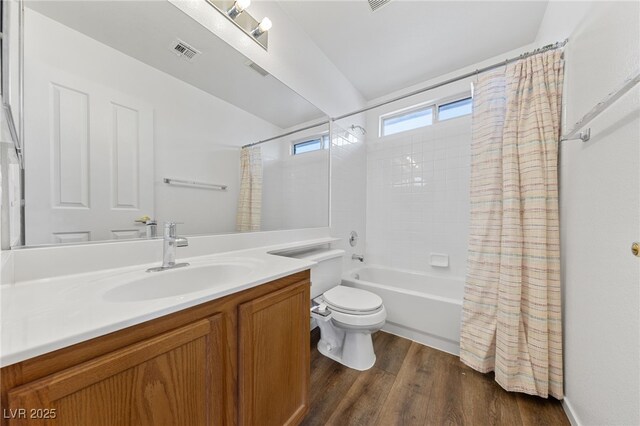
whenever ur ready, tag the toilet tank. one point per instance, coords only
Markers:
(327, 273)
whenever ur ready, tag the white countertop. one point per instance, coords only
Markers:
(44, 315)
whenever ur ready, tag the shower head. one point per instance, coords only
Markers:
(354, 127)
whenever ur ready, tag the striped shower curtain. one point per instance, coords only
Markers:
(250, 198)
(511, 312)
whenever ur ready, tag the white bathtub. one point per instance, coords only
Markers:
(423, 308)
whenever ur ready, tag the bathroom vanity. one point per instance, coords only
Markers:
(240, 359)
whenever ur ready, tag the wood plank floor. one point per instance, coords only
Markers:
(412, 384)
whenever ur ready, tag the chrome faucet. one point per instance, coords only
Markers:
(357, 257)
(171, 241)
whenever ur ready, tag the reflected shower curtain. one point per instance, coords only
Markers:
(250, 198)
(511, 312)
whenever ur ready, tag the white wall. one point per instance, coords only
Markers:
(196, 134)
(600, 212)
(418, 189)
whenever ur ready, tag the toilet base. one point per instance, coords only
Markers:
(352, 349)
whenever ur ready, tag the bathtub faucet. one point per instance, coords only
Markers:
(357, 257)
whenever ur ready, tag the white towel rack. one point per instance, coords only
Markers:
(195, 184)
(585, 135)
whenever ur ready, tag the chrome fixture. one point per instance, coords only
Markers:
(585, 135)
(238, 7)
(152, 229)
(151, 226)
(236, 12)
(362, 129)
(357, 257)
(194, 184)
(353, 238)
(171, 241)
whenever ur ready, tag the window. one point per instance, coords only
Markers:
(309, 145)
(407, 120)
(422, 116)
(454, 109)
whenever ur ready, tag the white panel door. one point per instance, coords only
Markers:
(89, 159)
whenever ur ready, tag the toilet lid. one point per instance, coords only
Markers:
(352, 299)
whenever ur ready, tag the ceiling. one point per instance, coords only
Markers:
(407, 42)
(146, 29)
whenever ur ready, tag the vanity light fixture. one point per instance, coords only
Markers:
(236, 12)
(238, 7)
(263, 27)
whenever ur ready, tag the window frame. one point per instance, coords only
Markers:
(324, 143)
(453, 100)
(435, 112)
(406, 111)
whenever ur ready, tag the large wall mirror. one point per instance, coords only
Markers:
(120, 129)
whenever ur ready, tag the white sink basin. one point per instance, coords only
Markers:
(180, 281)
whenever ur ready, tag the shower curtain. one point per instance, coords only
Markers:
(511, 312)
(250, 198)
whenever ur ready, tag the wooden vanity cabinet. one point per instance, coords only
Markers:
(242, 359)
(167, 379)
(274, 362)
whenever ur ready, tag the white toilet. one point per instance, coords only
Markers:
(346, 316)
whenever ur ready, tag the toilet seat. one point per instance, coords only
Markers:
(351, 300)
(372, 320)
(354, 307)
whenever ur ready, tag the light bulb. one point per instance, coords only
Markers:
(242, 4)
(238, 7)
(265, 25)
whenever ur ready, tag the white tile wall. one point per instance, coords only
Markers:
(271, 188)
(305, 190)
(295, 189)
(418, 197)
(348, 190)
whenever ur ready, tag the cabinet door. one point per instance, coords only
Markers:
(172, 379)
(274, 357)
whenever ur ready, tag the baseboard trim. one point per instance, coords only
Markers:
(570, 412)
(425, 339)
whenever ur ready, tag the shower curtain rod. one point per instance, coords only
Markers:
(478, 71)
(286, 134)
(554, 46)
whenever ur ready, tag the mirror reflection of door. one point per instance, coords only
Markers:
(94, 147)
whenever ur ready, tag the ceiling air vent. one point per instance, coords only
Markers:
(183, 50)
(257, 68)
(377, 4)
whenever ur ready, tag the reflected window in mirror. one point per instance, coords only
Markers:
(316, 143)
